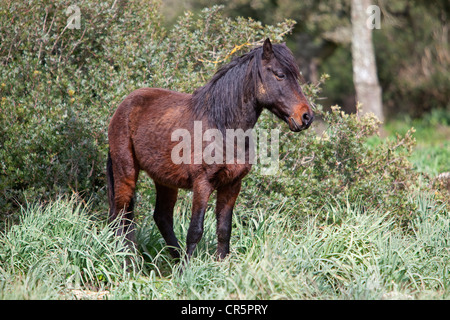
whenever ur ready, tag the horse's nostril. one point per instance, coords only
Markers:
(306, 118)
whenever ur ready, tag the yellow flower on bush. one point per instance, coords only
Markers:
(70, 92)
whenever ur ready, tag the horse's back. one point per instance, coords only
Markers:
(149, 106)
(147, 99)
(142, 127)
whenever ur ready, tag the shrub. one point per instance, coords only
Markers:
(339, 163)
(57, 89)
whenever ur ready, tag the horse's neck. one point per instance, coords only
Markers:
(249, 115)
(227, 114)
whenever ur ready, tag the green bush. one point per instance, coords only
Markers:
(338, 163)
(58, 89)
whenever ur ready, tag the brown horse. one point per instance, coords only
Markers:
(140, 138)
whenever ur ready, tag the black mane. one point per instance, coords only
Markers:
(228, 100)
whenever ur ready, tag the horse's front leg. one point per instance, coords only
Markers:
(202, 190)
(226, 198)
(165, 201)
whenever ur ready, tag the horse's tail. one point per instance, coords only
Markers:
(111, 194)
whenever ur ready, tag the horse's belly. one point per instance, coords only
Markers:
(164, 171)
(221, 175)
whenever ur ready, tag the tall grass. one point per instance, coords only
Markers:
(358, 253)
(55, 249)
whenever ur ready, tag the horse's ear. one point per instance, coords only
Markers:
(267, 50)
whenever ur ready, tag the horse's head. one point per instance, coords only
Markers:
(279, 90)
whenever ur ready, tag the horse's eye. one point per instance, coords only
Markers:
(279, 75)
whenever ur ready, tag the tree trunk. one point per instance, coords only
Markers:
(368, 90)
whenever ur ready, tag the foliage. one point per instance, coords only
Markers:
(413, 57)
(58, 88)
(337, 165)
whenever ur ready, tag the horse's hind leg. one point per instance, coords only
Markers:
(123, 173)
(226, 198)
(163, 215)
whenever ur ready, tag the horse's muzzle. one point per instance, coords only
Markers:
(307, 119)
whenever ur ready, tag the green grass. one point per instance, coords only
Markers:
(432, 152)
(56, 248)
(57, 251)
